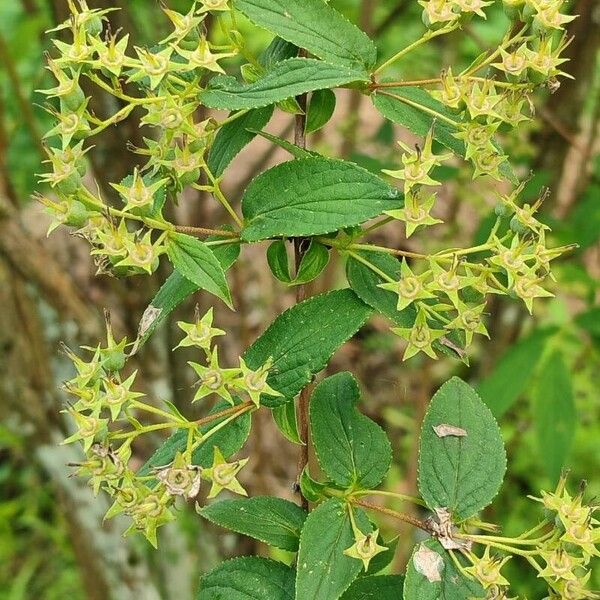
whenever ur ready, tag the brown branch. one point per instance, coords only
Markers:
(392, 513)
(205, 231)
(238, 410)
(299, 250)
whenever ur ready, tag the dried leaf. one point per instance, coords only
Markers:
(429, 563)
(445, 430)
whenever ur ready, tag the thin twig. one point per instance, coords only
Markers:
(299, 249)
(205, 231)
(234, 410)
(393, 513)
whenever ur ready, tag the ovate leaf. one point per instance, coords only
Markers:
(176, 289)
(285, 80)
(312, 196)
(324, 571)
(248, 578)
(286, 421)
(314, 260)
(229, 440)
(513, 372)
(554, 414)
(462, 460)
(432, 575)
(353, 450)
(197, 263)
(233, 136)
(277, 259)
(320, 110)
(316, 26)
(274, 521)
(376, 587)
(302, 339)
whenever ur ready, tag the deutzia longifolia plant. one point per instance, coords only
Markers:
(436, 302)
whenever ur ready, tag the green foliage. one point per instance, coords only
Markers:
(228, 440)
(555, 415)
(313, 261)
(303, 338)
(324, 571)
(234, 136)
(176, 289)
(274, 521)
(285, 80)
(501, 388)
(248, 577)
(353, 451)
(415, 109)
(436, 300)
(383, 587)
(197, 263)
(432, 574)
(313, 196)
(320, 110)
(316, 26)
(461, 459)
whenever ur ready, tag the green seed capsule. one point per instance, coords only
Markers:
(502, 210)
(517, 226)
(94, 26)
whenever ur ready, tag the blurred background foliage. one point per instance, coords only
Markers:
(539, 375)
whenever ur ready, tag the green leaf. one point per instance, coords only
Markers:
(316, 26)
(312, 196)
(513, 372)
(234, 136)
(302, 339)
(248, 578)
(554, 414)
(229, 440)
(353, 451)
(415, 109)
(314, 260)
(320, 110)
(410, 110)
(364, 281)
(311, 489)
(324, 571)
(277, 51)
(196, 262)
(277, 259)
(286, 421)
(274, 521)
(432, 575)
(286, 79)
(461, 473)
(177, 288)
(376, 587)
